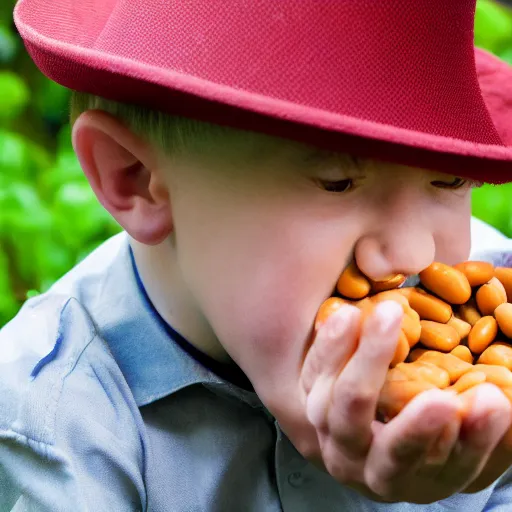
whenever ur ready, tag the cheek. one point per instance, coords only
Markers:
(453, 235)
(260, 275)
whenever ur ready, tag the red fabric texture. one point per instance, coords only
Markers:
(495, 78)
(392, 79)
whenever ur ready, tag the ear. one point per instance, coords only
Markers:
(124, 173)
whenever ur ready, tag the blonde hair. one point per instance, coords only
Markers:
(172, 134)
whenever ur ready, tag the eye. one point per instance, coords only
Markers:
(337, 186)
(455, 184)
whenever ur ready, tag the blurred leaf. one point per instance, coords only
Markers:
(52, 260)
(507, 55)
(32, 293)
(20, 158)
(52, 101)
(8, 303)
(14, 94)
(64, 144)
(493, 26)
(78, 214)
(12, 154)
(9, 45)
(493, 205)
(21, 209)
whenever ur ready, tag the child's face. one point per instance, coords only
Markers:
(264, 231)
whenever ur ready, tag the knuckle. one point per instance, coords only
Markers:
(408, 451)
(382, 487)
(352, 446)
(339, 472)
(357, 400)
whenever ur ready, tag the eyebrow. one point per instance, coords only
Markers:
(316, 157)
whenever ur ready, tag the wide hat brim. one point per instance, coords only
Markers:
(409, 94)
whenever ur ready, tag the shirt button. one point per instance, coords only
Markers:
(295, 479)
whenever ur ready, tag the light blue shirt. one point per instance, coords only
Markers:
(101, 411)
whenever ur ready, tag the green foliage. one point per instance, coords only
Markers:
(493, 31)
(493, 28)
(49, 217)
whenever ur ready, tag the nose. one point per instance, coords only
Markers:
(402, 241)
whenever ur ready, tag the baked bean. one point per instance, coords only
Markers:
(496, 282)
(396, 374)
(402, 350)
(395, 395)
(505, 277)
(469, 312)
(482, 334)
(423, 370)
(429, 307)
(385, 278)
(415, 354)
(476, 272)
(498, 354)
(503, 315)
(488, 298)
(327, 308)
(389, 283)
(438, 336)
(411, 313)
(467, 381)
(467, 397)
(352, 283)
(447, 282)
(391, 295)
(497, 375)
(452, 364)
(441, 361)
(463, 352)
(406, 291)
(411, 329)
(460, 326)
(366, 306)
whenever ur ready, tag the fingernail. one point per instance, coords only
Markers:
(339, 321)
(388, 313)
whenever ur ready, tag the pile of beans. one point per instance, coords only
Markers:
(456, 329)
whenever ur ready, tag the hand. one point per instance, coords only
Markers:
(426, 453)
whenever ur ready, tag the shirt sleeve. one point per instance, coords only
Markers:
(501, 498)
(486, 240)
(69, 434)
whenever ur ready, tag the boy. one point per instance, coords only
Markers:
(169, 371)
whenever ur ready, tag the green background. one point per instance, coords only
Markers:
(49, 217)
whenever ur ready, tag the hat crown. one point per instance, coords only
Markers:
(403, 63)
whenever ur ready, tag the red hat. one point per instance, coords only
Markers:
(389, 79)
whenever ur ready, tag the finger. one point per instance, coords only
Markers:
(442, 448)
(329, 353)
(483, 426)
(334, 344)
(403, 444)
(356, 391)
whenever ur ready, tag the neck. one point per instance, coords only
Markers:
(160, 274)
